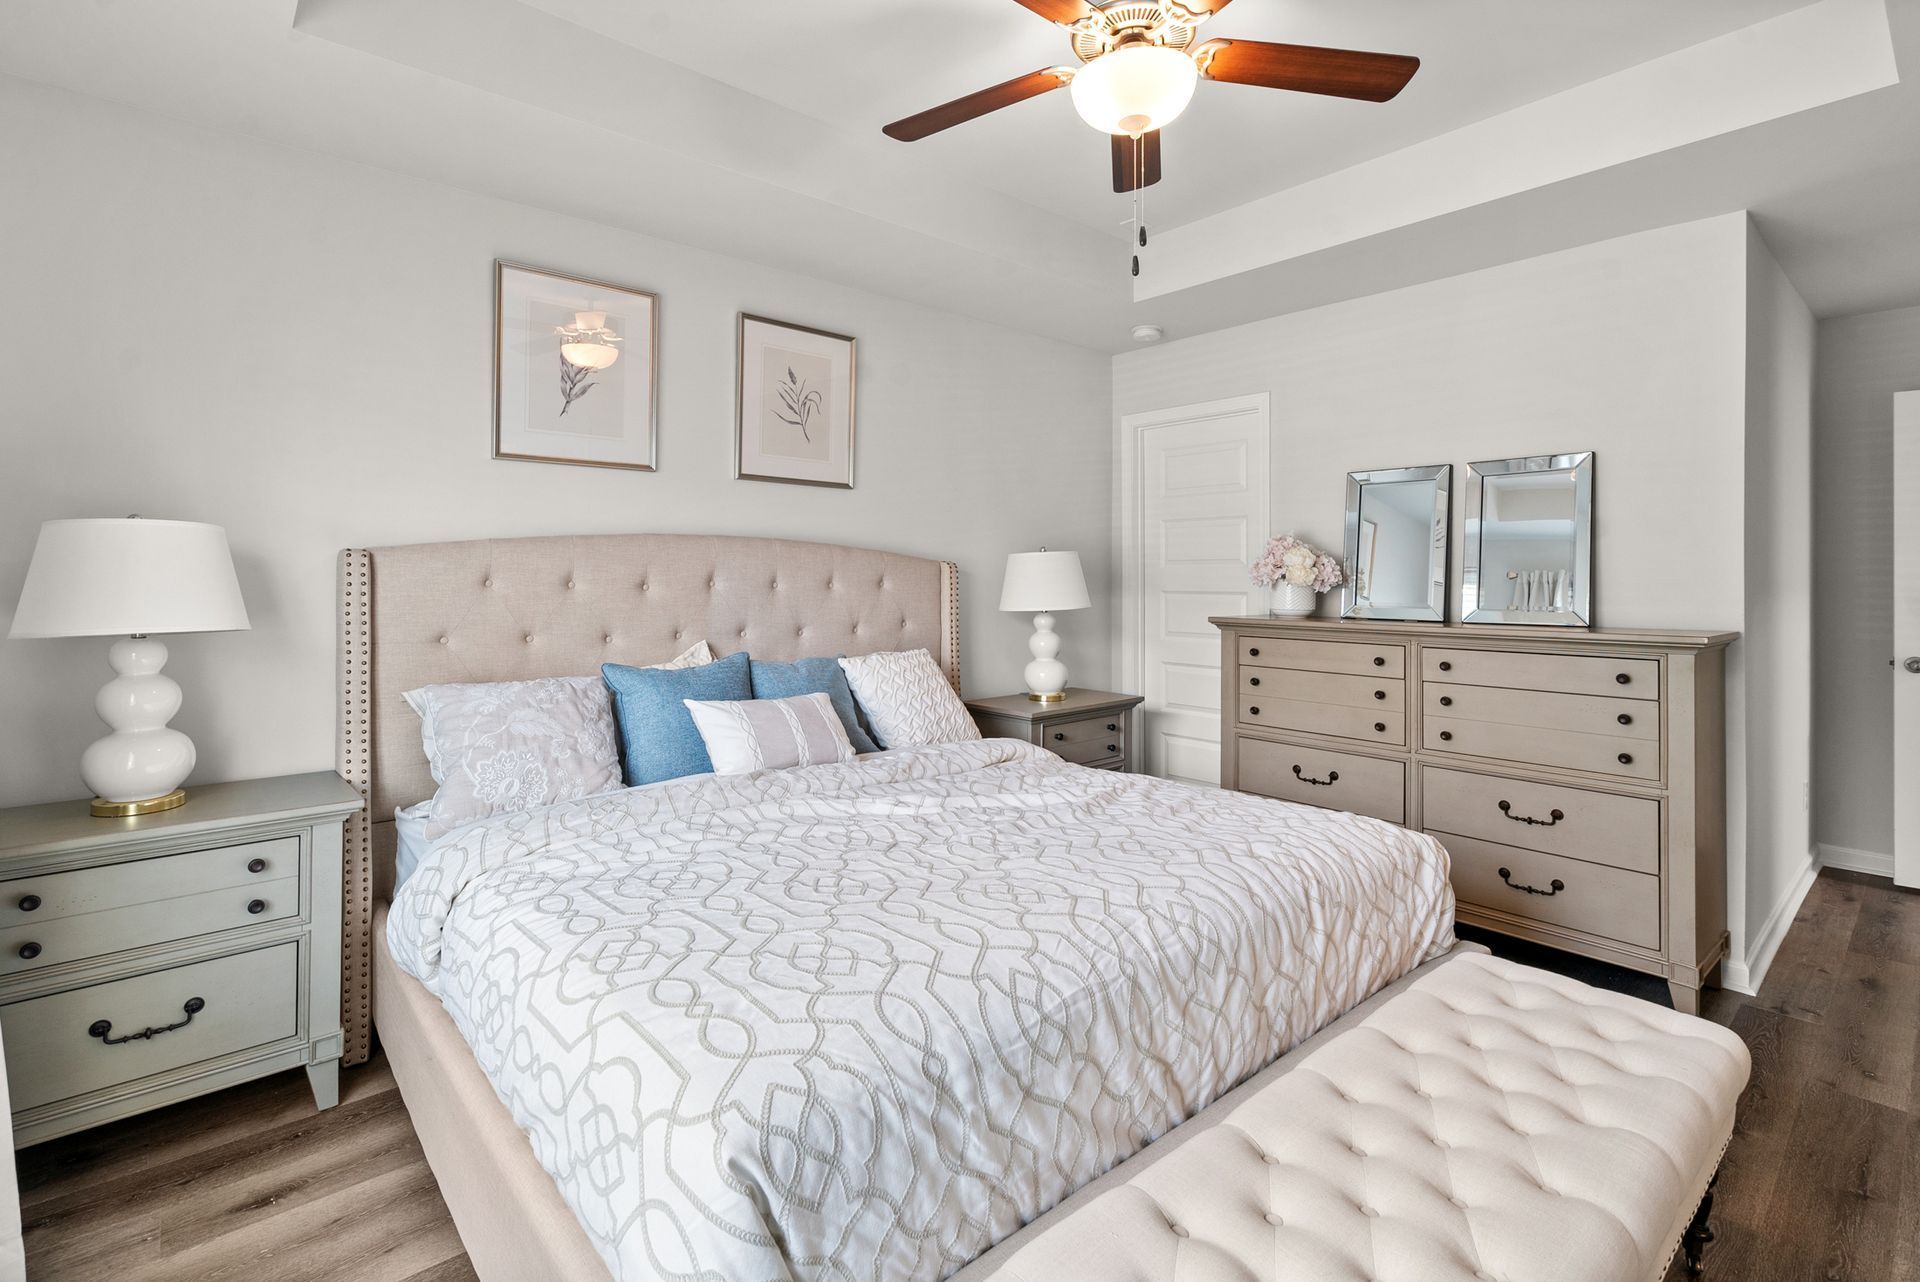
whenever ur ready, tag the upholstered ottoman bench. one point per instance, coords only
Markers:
(1480, 1121)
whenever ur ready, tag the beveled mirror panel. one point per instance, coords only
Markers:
(1529, 555)
(1396, 550)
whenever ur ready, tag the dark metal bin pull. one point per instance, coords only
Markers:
(1333, 777)
(102, 1028)
(1506, 808)
(1556, 883)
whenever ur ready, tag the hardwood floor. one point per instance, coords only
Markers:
(1822, 1180)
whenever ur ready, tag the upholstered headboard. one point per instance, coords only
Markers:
(511, 609)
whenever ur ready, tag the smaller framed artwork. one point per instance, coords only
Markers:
(574, 369)
(793, 417)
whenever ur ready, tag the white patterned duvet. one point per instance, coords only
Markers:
(862, 1021)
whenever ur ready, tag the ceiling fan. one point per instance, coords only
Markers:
(1139, 69)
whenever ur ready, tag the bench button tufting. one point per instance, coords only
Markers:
(443, 640)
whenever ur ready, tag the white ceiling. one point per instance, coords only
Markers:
(751, 127)
(861, 63)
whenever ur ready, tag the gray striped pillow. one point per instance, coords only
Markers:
(770, 734)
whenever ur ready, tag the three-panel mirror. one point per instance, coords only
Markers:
(1529, 554)
(1396, 546)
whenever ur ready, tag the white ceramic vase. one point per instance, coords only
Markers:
(1290, 601)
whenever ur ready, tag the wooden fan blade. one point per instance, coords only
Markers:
(1204, 9)
(1342, 73)
(975, 105)
(1064, 12)
(1136, 161)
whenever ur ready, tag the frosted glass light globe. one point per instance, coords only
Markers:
(1134, 90)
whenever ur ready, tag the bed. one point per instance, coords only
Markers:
(850, 1021)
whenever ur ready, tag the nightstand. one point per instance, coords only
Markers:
(1088, 727)
(146, 960)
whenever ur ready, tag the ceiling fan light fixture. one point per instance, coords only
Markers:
(1134, 90)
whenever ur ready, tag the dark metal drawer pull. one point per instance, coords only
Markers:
(1622, 678)
(1058, 737)
(256, 865)
(1111, 727)
(1253, 712)
(1379, 694)
(1113, 747)
(1446, 701)
(1380, 727)
(29, 902)
(101, 1028)
(1445, 666)
(1626, 758)
(1556, 883)
(1254, 652)
(1333, 777)
(1446, 736)
(256, 906)
(1506, 808)
(1624, 719)
(29, 951)
(1379, 662)
(1253, 681)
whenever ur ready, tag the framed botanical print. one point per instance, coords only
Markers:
(793, 417)
(574, 369)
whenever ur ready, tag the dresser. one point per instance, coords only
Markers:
(1088, 727)
(1576, 778)
(146, 960)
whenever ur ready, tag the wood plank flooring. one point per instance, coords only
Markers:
(1822, 1181)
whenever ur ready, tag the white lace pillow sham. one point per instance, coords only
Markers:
(496, 747)
(907, 700)
(770, 734)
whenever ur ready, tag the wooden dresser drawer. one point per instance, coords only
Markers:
(1530, 745)
(1578, 823)
(1088, 752)
(1109, 727)
(144, 881)
(1374, 725)
(1580, 713)
(249, 999)
(1318, 777)
(1353, 658)
(1566, 673)
(35, 945)
(1591, 898)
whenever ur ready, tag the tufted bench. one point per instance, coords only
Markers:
(1480, 1122)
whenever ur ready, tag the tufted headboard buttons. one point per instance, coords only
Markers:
(513, 609)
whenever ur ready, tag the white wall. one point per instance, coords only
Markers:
(1636, 348)
(1778, 641)
(1863, 361)
(204, 327)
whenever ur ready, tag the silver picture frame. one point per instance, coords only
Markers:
(835, 387)
(1551, 534)
(1415, 506)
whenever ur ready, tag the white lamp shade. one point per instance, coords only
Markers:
(128, 576)
(1044, 582)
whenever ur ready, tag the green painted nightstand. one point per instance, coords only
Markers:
(1088, 727)
(146, 960)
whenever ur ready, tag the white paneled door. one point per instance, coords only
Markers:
(1906, 639)
(1193, 517)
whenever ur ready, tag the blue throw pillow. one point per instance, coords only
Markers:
(657, 735)
(813, 676)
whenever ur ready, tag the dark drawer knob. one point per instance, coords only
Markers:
(1446, 734)
(1253, 681)
(1253, 712)
(1058, 737)
(1379, 662)
(1622, 678)
(1113, 747)
(1253, 652)
(1111, 727)
(1626, 758)
(256, 906)
(29, 902)
(1379, 694)
(1380, 727)
(256, 865)
(1624, 719)
(1446, 701)
(1445, 666)
(29, 951)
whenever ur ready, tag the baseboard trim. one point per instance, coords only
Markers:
(1871, 862)
(1746, 976)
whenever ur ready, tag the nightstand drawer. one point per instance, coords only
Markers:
(248, 999)
(144, 881)
(35, 945)
(1089, 750)
(1108, 728)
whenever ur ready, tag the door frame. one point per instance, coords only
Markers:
(1132, 514)
(1906, 639)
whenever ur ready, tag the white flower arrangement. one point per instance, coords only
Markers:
(1292, 560)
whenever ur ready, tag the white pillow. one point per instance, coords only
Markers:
(744, 735)
(907, 699)
(495, 747)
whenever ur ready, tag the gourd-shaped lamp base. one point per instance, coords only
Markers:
(137, 769)
(1046, 675)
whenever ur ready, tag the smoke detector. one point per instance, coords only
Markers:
(1148, 333)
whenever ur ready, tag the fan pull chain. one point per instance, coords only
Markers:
(1139, 206)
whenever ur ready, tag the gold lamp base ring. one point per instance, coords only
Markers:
(1055, 697)
(127, 809)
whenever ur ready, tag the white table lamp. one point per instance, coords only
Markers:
(1043, 582)
(132, 578)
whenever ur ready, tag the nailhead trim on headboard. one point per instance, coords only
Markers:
(355, 754)
(950, 580)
